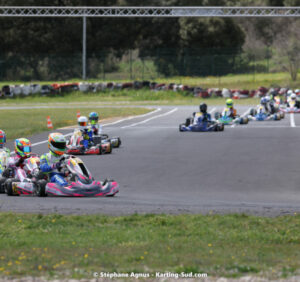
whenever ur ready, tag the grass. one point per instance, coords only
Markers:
(23, 123)
(77, 246)
(132, 97)
(232, 81)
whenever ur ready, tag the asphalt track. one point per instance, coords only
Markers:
(251, 169)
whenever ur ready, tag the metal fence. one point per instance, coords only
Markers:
(106, 65)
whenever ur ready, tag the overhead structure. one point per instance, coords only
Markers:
(13, 11)
(158, 12)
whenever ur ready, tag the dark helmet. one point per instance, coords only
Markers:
(203, 108)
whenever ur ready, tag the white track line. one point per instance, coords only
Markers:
(292, 120)
(146, 120)
(245, 113)
(212, 110)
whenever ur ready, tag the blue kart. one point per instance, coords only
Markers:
(262, 116)
(204, 126)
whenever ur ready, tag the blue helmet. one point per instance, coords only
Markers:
(263, 101)
(93, 117)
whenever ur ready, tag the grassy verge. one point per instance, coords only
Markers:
(23, 123)
(238, 81)
(133, 97)
(77, 246)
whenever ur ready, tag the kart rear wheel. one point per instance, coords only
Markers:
(253, 112)
(9, 187)
(100, 150)
(2, 181)
(110, 148)
(180, 127)
(220, 127)
(40, 189)
(188, 121)
(282, 115)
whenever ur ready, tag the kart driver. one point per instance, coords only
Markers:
(23, 151)
(229, 106)
(3, 149)
(51, 161)
(203, 115)
(87, 133)
(264, 107)
(95, 126)
(292, 101)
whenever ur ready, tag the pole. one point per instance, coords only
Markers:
(84, 48)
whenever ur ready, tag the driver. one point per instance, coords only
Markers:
(263, 107)
(23, 151)
(293, 102)
(95, 126)
(87, 133)
(3, 149)
(51, 161)
(203, 115)
(229, 106)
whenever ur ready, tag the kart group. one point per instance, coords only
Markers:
(57, 172)
(270, 108)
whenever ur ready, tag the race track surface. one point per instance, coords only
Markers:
(251, 169)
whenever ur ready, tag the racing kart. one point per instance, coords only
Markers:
(291, 109)
(75, 145)
(201, 127)
(80, 182)
(262, 116)
(24, 181)
(104, 138)
(228, 120)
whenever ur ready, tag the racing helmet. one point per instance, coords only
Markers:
(290, 92)
(268, 98)
(2, 138)
(263, 101)
(82, 122)
(57, 143)
(93, 118)
(203, 108)
(293, 96)
(22, 147)
(229, 103)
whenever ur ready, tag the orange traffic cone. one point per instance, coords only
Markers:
(78, 114)
(49, 123)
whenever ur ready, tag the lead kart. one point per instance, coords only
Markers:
(204, 126)
(80, 182)
(75, 145)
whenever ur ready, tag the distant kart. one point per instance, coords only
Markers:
(104, 138)
(24, 181)
(289, 110)
(262, 116)
(202, 127)
(80, 183)
(100, 146)
(228, 120)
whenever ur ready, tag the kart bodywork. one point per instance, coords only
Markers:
(260, 115)
(204, 126)
(226, 119)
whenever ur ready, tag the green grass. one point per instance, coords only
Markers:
(23, 123)
(132, 97)
(77, 246)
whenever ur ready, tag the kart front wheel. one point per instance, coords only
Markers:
(282, 115)
(253, 112)
(220, 127)
(9, 188)
(40, 189)
(180, 127)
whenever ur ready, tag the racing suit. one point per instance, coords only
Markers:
(87, 135)
(232, 112)
(4, 157)
(49, 165)
(96, 128)
(199, 118)
(12, 163)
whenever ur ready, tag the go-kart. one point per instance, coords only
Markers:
(24, 180)
(104, 138)
(226, 119)
(75, 146)
(291, 109)
(80, 183)
(204, 126)
(260, 115)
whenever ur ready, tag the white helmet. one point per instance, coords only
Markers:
(82, 122)
(293, 96)
(290, 92)
(268, 98)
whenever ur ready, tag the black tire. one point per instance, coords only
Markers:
(221, 126)
(100, 150)
(188, 121)
(282, 115)
(217, 115)
(180, 127)
(253, 112)
(110, 148)
(40, 190)
(2, 181)
(9, 187)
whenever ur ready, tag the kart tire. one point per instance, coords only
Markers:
(2, 181)
(9, 188)
(100, 150)
(276, 117)
(110, 148)
(40, 189)
(180, 127)
(188, 122)
(282, 115)
(220, 127)
(217, 115)
(253, 112)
